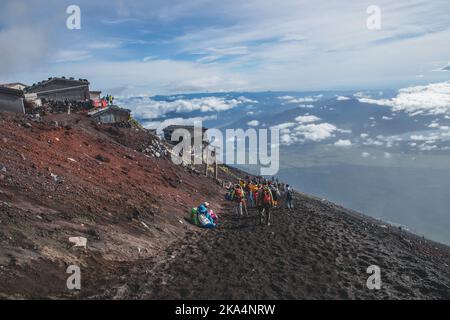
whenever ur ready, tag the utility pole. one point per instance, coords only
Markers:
(206, 162)
(216, 166)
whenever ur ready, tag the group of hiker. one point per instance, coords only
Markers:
(262, 194)
(105, 101)
(256, 192)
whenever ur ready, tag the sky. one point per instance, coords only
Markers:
(175, 46)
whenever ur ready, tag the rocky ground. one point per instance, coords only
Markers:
(318, 251)
(65, 176)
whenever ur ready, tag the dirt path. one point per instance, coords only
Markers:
(315, 252)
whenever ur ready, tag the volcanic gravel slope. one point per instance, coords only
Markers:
(318, 251)
(133, 208)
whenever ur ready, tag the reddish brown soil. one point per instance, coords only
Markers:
(128, 205)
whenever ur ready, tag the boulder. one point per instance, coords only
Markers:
(78, 241)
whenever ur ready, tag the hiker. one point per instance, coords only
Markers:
(282, 190)
(275, 194)
(204, 217)
(229, 194)
(289, 197)
(239, 197)
(265, 204)
(255, 193)
(249, 193)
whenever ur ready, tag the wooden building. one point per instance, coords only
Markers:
(14, 85)
(61, 89)
(95, 95)
(111, 115)
(11, 100)
(168, 131)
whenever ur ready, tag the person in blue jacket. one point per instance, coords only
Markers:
(203, 210)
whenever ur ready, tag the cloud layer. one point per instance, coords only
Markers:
(305, 130)
(145, 107)
(432, 99)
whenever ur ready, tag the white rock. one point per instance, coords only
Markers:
(78, 241)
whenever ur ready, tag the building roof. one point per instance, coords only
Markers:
(52, 79)
(174, 127)
(11, 92)
(95, 113)
(13, 84)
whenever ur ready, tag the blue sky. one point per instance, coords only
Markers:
(152, 47)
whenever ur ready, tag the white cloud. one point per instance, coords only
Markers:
(372, 142)
(307, 119)
(253, 123)
(148, 58)
(247, 100)
(293, 37)
(387, 155)
(432, 99)
(418, 138)
(147, 108)
(303, 100)
(362, 95)
(284, 126)
(365, 154)
(71, 55)
(343, 143)
(292, 132)
(286, 139)
(213, 54)
(342, 98)
(316, 132)
(426, 147)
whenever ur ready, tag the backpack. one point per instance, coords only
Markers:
(238, 194)
(267, 199)
(194, 217)
(289, 194)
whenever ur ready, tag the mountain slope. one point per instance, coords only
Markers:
(318, 251)
(66, 176)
